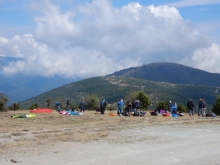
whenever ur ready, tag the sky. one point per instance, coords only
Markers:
(86, 38)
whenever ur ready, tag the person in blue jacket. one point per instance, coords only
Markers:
(137, 104)
(57, 106)
(120, 106)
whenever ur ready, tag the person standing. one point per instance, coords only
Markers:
(120, 107)
(102, 106)
(129, 105)
(170, 106)
(203, 107)
(175, 104)
(15, 106)
(68, 103)
(190, 107)
(82, 106)
(137, 104)
(200, 111)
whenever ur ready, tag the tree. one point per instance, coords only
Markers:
(216, 106)
(142, 97)
(162, 105)
(182, 108)
(92, 101)
(11, 107)
(3, 101)
(34, 106)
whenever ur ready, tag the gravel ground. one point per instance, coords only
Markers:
(145, 140)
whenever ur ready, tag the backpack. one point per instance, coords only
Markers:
(153, 113)
(210, 114)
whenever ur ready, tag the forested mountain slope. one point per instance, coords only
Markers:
(172, 73)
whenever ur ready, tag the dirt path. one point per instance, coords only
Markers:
(100, 139)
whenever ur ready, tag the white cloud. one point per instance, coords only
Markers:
(187, 3)
(211, 28)
(207, 58)
(97, 39)
(53, 23)
(165, 12)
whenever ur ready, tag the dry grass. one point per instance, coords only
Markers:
(91, 126)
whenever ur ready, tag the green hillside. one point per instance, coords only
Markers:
(114, 88)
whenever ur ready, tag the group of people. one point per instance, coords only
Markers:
(201, 110)
(81, 106)
(122, 108)
(127, 109)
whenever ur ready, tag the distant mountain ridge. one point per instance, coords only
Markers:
(172, 73)
(179, 83)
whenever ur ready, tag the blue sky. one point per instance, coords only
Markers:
(85, 38)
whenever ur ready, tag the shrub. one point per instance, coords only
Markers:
(216, 106)
(48, 102)
(3, 101)
(112, 107)
(142, 97)
(11, 107)
(162, 105)
(34, 106)
(182, 108)
(92, 101)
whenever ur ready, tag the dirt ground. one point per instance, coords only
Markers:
(95, 139)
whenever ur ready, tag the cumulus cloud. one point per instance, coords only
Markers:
(187, 3)
(207, 58)
(97, 39)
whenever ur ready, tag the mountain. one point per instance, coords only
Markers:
(193, 83)
(172, 73)
(20, 87)
(114, 88)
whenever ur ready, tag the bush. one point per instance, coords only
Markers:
(48, 102)
(142, 97)
(92, 101)
(182, 108)
(216, 106)
(112, 107)
(3, 101)
(11, 107)
(34, 106)
(162, 105)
